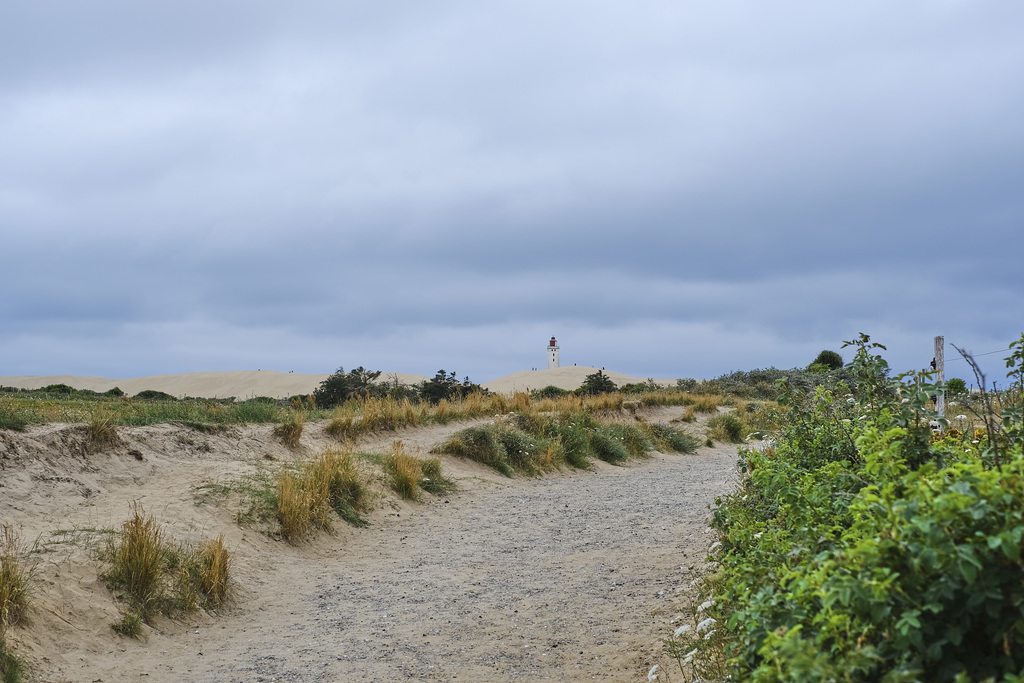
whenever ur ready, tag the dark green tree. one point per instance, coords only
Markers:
(956, 386)
(341, 386)
(446, 385)
(829, 359)
(597, 383)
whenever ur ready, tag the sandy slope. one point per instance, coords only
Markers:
(571, 576)
(243, 384)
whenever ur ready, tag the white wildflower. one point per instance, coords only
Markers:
(681, 630)
(652, 675)
(704, 605)
(706, 624)
(961, 417)
(759, 534)
(708, 634)
(689, 656)
(716, 544)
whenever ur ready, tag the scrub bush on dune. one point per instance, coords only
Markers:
(864, 547)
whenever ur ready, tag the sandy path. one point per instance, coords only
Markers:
(568, 577)
(549, 579)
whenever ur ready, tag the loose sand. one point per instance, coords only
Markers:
(573, 576)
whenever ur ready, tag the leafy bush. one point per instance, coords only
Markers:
(445, 386)
(861, 548)
(153, 395)
(341, 386)
(829, 360)
(596, 383)
(549, 391)
(58, 389)
(956, 386)
(11, 418)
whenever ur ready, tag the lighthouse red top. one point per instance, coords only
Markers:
(552, 342)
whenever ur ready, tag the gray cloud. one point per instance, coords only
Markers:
(236, 185)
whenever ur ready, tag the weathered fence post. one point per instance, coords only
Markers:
(940, 375)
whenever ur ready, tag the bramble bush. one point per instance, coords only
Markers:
(861, 547)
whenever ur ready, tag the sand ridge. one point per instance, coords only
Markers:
(243, 384)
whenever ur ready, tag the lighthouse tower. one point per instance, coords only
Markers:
(552, 354)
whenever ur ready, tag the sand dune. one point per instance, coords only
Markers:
(244, 384)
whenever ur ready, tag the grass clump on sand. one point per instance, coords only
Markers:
(15, 577)
(404, 472)
(101, 431)
(728, 428)
(11, 668)
(307, 496)
(533, 443)
(157, 577)
(290, 428)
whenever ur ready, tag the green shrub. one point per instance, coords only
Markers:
(153, 395)
(342, 386)
(11, 418)
(549, 391)
(828, 359)
(597, 383)
(859, 548)
(59, 389)
(956, 386)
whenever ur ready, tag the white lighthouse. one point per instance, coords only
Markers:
(552, 354)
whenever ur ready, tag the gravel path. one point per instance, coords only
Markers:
(568, 577)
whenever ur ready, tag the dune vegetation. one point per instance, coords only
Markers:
(872, 540)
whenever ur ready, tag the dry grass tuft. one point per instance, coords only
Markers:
(306, 497)
(290, 429)
(707, 404)
(214, 564)
(728, 428)
(138, 559)
(295, 507)
(14, 578)
(160, 578)
(335, 477)
(101, 431)
(404, 472)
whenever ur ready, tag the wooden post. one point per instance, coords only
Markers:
(940, 375)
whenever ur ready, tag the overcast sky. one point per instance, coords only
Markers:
(671, 188)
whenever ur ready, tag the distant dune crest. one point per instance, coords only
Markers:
(249, 383)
